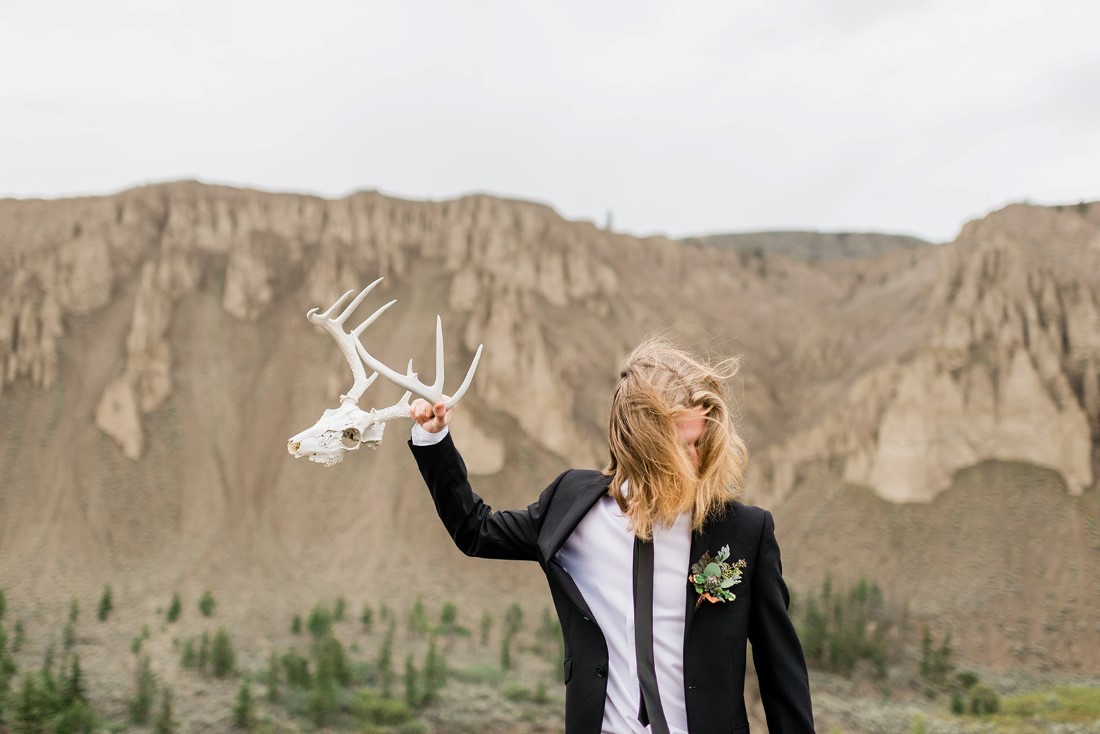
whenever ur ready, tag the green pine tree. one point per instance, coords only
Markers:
(320, 622)
(204, 651)
(105, 604)
(165, 723)
(189, 659)
(36, 706)
(506, 652)
(207, 603)
(244, 713)
(8, 668)
(412, 692)
(145, 689)
(513, 619)
(72, 686)
(418, 619)
(435, 672)
(486, 626)
(174, 608)
(385, 664)
(222, 657)
(271, 678)
(367, 617)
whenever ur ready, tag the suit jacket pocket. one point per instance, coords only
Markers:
(567, 670)
(743, 729)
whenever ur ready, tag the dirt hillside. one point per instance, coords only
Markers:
(927, 414)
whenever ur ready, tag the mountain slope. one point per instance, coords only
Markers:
(156, 358)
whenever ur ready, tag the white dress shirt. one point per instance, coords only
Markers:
(599, 556)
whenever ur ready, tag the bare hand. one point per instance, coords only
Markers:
(432, 418)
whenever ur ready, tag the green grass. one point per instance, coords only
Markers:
(479, 674)
(1060, 705)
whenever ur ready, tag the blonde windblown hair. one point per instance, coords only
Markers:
(659, 384)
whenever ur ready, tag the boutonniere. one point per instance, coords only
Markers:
(713, 577)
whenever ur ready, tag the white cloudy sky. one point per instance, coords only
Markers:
(680, 117)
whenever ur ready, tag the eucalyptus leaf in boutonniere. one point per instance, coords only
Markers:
(713, 577)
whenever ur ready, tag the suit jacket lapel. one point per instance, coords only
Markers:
(568, 508)
(700, 540)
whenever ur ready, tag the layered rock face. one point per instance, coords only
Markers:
(986, 348)
(1006, 367)
(155, 357)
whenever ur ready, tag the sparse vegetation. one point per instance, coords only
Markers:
(207, 603)
(244, 711)
(174, 608)
(204, 651)
(435, 673)
(189, 659)
(513, 619)
(506, 652)
(106, 605)
(166, 722)
(272, 678)
(418, 619)
(367, 617)
(840, 629)
(984, 701)
(223, 658)
(145, 689)
(385, 663)
(320, 622)
(412, 689)
(935, 660)
(19, 636)
(1059, 705)
(486, 627)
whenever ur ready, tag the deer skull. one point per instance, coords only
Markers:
(347, 427)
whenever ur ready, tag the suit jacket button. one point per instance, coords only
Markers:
(601, 671)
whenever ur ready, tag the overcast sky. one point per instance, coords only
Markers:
(679, 117)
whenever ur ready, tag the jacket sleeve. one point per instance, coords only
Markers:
(474, 527)
(776, 652)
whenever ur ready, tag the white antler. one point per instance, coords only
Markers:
(347, 342)
(432, 393)
(346, 428)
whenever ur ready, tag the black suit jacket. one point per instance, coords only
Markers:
(714, 635)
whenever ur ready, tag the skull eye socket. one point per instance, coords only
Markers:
(350, 438)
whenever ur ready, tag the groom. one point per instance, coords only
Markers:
(647, 649)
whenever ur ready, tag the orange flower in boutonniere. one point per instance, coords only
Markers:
(713, 577)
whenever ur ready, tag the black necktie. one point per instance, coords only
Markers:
(650, 711)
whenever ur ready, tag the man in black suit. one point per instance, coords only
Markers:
(658, 575)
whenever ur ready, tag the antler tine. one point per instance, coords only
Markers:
(346, 342)
(466, 382)
(355, 304)
(370, 320)
(438, 385)
(410, 381)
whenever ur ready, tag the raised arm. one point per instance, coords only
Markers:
(472, 524)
